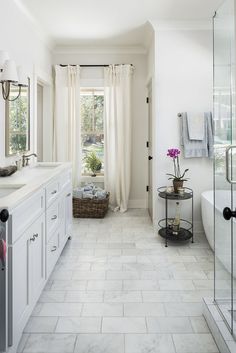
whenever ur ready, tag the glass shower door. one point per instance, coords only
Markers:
(224, 162)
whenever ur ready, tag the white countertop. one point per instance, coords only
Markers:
(32, 178)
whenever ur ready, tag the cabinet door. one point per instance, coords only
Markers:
(53, 250)
(19, 287)
(68, 212)
(36, 235)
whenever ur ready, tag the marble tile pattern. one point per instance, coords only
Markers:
(117, 289)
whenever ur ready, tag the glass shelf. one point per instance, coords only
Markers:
(183, 224)
(188, 194)
(182, 234)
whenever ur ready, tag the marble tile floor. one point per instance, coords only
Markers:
(117, 289)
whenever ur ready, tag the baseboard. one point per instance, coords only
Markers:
(198, 227)
(140, 203)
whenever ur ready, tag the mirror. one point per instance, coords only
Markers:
(17, 131)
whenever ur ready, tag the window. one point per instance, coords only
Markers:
(17, 121)
(92, 127)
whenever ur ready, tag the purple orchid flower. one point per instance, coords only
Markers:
(174, 154)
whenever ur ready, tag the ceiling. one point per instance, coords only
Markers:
(110, 22)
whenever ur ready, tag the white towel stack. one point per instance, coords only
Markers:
(89, 191)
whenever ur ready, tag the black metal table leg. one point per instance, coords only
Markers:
(192, 220)
(166, 221)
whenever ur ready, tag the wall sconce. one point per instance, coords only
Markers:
(9, 74)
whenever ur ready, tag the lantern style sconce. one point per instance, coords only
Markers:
(10, 74)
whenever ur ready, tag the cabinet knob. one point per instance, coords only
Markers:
(54, 192)
(68, 194)
(32, 239)
(4, 215)
(54, 248)
(54, 217)
(35, 235)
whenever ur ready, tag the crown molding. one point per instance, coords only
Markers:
(42, 35)
(195, 25)
(64, 49)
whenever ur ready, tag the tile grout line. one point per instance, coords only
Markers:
(76, 338)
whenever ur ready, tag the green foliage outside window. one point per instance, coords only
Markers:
(18, 121)
(92, 126)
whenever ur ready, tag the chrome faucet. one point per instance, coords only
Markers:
(26, 158)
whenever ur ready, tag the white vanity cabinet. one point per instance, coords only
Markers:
(39, 228)
(58, 218)
(27, 275)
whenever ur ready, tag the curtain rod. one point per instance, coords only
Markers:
(105, 65)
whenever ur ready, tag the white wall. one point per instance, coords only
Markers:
(140, 119)
(24, 45)
(183, 82)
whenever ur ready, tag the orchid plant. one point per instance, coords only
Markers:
(174, 154)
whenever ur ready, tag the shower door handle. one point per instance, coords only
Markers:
(228, 213)
(228, 164)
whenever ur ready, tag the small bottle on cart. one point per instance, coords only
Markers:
(176, 223)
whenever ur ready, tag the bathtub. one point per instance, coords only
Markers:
(223, 228)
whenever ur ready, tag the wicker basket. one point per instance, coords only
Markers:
(90, 208)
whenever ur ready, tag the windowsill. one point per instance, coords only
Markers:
(90, 179)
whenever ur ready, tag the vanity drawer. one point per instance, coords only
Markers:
(53, 218)
(53, 252)
(24, 214)
(52, 191)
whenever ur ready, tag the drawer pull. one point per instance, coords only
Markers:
(54, 248)
(35, 235)
(32, 239)
(54, 217)
(68, 194)
(54, 192)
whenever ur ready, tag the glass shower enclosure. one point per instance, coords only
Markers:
(225, 164)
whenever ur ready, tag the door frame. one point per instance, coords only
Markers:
(45, 80)
(150, 134)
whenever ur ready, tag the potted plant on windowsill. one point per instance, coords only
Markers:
(93, 163)
(177, 177)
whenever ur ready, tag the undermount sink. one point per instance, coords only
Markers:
(47, 165)
(6, 190)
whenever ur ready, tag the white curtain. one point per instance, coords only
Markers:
(66, 127)
(117, 116)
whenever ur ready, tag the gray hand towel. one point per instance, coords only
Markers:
(192, 148)
(196, 126)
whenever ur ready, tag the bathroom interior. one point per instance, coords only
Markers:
(154, 271)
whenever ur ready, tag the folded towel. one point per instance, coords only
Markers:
(89, 191)
(88, 188)
(196, 126)
(78, 193)
(101, 195)
(87, 195)
(192, 148)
